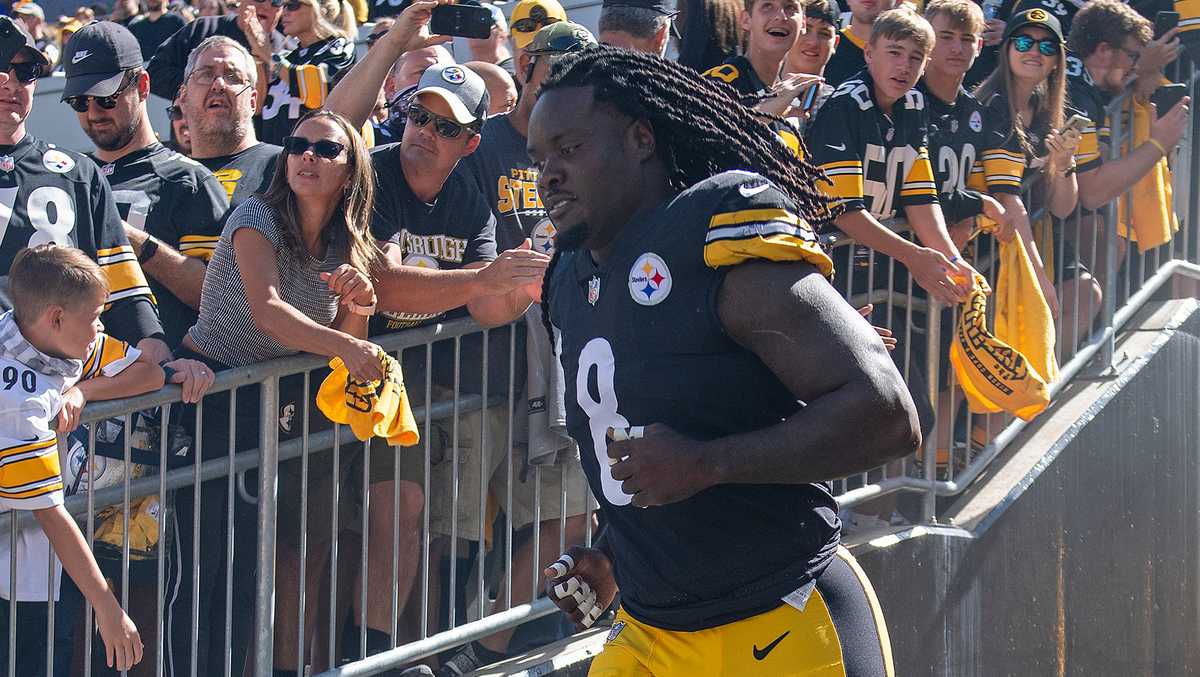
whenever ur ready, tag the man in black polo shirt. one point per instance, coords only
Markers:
(440, 237)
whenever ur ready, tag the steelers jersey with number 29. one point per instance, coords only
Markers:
(642, 343)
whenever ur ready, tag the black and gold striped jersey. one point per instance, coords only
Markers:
(1091, 101)
(179, 202)
(303, 79)
(49, 194)
(875, 161)
(957, 137)
(642, 343)
(738, 72)
(1005, 161)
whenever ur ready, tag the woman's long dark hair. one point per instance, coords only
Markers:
(1049, 97)
(350, 224)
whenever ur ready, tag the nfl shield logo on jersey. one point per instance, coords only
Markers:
(594, 289)
(614, 631)
(7, 163)
(649, 280)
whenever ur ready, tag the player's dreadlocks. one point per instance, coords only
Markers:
(698, 129)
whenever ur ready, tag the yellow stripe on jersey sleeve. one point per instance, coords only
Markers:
(978, 178)
(847, 178)
(125, 277)
(199, 246)
(1003, 168)
(108, 356)
(312, 84)
(790, 140)
(1189, 16)
(920, 178)
(1088, 151)
(30, 470)
(769, 234)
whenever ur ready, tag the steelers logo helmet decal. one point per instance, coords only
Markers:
(454, 75)
(649, 280)
(1037, 15)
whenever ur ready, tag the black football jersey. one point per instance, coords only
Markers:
(50, 194)
(641, 344)
(847, 59)
(1088, 100)
(1005, 161)
(738, 72)
(875, 161)
(178, 201)
(956, 139)
(246, 173)
(310, 75)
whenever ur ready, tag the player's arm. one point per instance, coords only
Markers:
(858, 412)
(526, 270)
(122, 644)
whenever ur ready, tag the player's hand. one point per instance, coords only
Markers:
(889, 341)
(193, 376)
(997, 213)
(938, 276)
(581, 584)
(351, 285)
(68, 417)
(514, 269)
(657, 468)
(411, 30)
(122, 643)
(993, 34)
(1168, 129)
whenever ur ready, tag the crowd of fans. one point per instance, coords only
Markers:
(395, 190)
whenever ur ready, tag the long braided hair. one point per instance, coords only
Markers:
(699, 128)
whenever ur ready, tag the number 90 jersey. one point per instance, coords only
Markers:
(52, 195)
(642, 344)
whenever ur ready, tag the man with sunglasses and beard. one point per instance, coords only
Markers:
(171, 205)
(252, 26)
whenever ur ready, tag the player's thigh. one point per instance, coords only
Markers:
(627, 649)
(857, 617)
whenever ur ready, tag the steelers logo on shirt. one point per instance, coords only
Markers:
(57, 161)
(976, 122)
(421, 261)
(543, 237)
(649, 280)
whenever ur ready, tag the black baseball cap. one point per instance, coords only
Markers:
(664, 7)
(1036, 17)
(30, 45)
(97, 57)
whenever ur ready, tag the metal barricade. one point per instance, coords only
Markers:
(315, 533)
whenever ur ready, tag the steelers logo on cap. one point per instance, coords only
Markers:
(1037, 15)
(454, 74)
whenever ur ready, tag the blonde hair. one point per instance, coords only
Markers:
(1049, 98)
(903, 23)
(350, 223)
(964, 15)
(52, 275)
(334, 18)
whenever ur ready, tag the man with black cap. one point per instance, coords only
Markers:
(640, 25)
(172, 206)
(435, 223)
(253, 27)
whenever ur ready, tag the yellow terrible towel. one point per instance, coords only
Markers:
(1153, 218)
(370, 408)
(1011, 369)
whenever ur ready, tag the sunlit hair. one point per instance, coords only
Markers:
(963, 15)
(334, 18)
(900, 24)
(52, 275)
(350, 223)
(1107, 21)
(1048, 100)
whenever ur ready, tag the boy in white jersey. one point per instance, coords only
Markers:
(53, 359)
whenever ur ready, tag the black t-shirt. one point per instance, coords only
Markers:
(167, 66)
(502, 170)
(642, 344)
(310, 73)
(55, 195)
(151, 34)
(456, 230)
(246, 173)
(176, 200)
(957, 138)
(847, 59)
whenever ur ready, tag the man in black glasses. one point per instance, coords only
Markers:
(172, 206)
(253, 27)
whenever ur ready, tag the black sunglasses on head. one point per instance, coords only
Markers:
(81, 103)
(26, 72)
(296, 145)
(445, 127)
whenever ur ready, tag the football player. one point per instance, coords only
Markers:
(171, 205)
(695, 315)
(848, 58)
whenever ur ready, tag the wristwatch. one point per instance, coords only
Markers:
(149, 249)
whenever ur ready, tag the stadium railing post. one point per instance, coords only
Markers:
(264, 592)
(933, 360)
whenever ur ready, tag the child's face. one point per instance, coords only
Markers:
(75, 325)
(895, 66)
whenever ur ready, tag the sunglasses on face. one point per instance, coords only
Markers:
(26, 72)
(445, 127)
(81, 103)
(292, 6)
(174, 113)
(537, 19)
(296, 145)
(1046, 47)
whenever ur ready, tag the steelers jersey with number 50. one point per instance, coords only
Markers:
(875, 161)
(642, 343)
(48, 194)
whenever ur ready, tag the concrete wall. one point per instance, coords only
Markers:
(1085, 566)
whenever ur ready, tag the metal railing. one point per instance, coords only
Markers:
(276, 597)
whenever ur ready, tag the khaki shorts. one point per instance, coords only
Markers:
(472, 466)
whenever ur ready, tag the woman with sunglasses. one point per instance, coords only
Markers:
(300, 80)
(292, 273)
(1025, 99)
